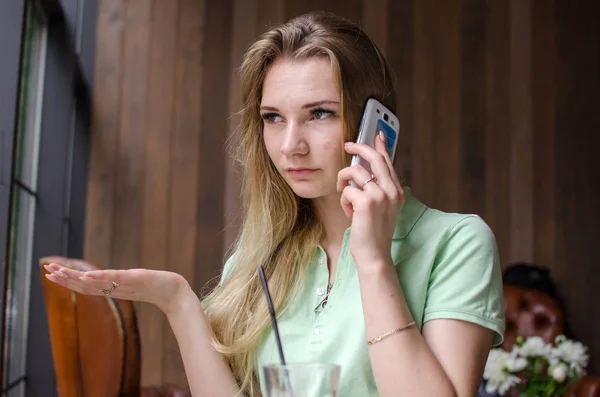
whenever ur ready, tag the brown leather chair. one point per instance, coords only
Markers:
(531, 312)
(95, 342)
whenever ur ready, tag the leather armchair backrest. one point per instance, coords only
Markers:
(95, 339)
(530, 312)
(589, 386)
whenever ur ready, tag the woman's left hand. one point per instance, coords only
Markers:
(373, 207)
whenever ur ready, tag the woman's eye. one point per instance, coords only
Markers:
(271, 117)
(321, 114)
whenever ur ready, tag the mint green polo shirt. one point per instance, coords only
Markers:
(448, 267)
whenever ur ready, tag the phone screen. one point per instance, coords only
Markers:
(390, 136)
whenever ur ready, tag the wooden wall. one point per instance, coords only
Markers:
(498, 104)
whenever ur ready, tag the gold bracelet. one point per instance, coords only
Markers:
(394, 331)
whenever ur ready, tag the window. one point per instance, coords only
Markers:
(24, 185)
(47, 49)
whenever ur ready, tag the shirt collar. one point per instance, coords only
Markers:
(409, 214)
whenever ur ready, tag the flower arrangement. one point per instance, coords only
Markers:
(534, 368)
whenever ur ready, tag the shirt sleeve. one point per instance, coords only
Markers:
(227, 268)
(466, 278)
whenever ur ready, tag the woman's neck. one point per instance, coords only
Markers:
(333, 219)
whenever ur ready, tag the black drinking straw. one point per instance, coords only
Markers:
(263, 280)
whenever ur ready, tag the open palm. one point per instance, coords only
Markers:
(158, 287)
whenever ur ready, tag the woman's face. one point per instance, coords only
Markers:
(303, 128)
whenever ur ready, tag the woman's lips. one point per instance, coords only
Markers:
(299, 173)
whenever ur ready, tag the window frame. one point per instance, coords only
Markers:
(12, 20)
(63, 157)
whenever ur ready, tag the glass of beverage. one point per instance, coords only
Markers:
(302, 380)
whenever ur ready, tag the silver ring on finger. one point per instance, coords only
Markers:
(373, 178)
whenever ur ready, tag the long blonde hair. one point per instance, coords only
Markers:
(280, 230)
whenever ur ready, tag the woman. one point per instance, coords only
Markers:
(345, 264)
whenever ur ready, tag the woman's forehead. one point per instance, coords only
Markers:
(298, 82)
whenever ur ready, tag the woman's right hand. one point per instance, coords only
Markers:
(161, 288)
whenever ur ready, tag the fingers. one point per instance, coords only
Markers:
(347, 200)
(381, 165)
(88, 283)
(375, 158)
(356, 173)
(352, 199)
(381, 147)
(67, 278)
(63, 272)
(378, 162)
(107, 275)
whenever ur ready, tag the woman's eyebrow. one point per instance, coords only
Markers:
(319, 103)
(305, 106)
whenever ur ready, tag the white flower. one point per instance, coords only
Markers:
(499, 380)
(515, 364)
(559, 339)
(559, 372)
(534, 346)
(501, 386)
(574, 353)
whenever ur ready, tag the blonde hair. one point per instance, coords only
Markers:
(280, 230)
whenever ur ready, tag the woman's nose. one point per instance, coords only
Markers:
(294, 141)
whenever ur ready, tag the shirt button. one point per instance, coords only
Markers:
(317, 331)
(320, 291)
(322, 261)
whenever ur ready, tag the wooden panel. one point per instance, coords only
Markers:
(376, 15)
(214, 126)
(521, 143)
(105, 132)
(294, 8)
(544, 130)
(424, 86)
(491, 98)
(154, 249)
(130, 154)
(447, 121)
(243, 30)
(566, 223)
(578, 123)
(400, 58)
(183, 227)
(473, 107)
(269, 13)
(497, 101)
(351, 9)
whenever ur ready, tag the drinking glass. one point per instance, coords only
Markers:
(302, 380)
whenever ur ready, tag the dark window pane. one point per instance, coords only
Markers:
(24, 200)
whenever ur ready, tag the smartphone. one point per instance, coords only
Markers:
(377, 118)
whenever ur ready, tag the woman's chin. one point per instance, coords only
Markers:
(310, 190)
(306, 193)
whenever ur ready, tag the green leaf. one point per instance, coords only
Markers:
(550, 389)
